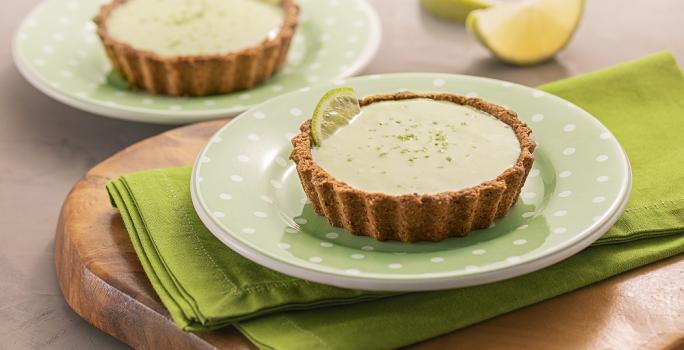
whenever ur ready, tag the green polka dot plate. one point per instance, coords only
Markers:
(57, 50)
(247, 192)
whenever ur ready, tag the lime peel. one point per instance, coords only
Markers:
(454, 10)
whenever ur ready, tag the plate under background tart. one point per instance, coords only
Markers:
(203, 74)
(415, 217)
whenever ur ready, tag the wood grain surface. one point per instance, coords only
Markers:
(102, 280)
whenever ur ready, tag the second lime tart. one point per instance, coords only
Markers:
(410, 167)
(197, 48)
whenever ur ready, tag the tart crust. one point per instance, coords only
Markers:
(415, 217)
(198, 75)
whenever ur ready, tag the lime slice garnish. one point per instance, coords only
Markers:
(526, 32)
(454, 10)
(335, 109)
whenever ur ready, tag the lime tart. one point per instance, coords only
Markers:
(199, 47)
(412, 166)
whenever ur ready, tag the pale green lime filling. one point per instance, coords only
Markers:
(191, 27)
(418, 146)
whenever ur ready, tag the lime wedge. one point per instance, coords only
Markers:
(526, 32)
(454, 10)
(335, 109)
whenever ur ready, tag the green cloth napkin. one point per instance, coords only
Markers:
(204, 285)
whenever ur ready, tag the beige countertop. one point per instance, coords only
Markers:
(46, 146)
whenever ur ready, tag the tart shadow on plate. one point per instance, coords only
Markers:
(481, 248)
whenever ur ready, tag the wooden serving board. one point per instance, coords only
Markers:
(102, 280)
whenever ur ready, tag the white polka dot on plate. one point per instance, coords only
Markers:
(291, 230)
(513, 259)
(301, 221)
(479, 252)
(225, 196)
(315, 259)
(472, 94)
(529, 195)
(522, 227)
(438, 82)
(538, 94)
(601, 158)
(253, 137)
(394, 266)
(569, 151)
(296, 112)
(260, 214)
(537, 117)
(437, 259)
(565, 194)
(276, 184)
(527, 214)
(267, 199)
(243, 158)
(326, 244)
(248, 230)
(569, 127)
(471, 268)
(534, 172)
(236, 178)
(283, 246)
(357, 256)
(602, 178)
(560, 230)
(560, 213)
(598, 199)
(367, 248)
(258, 115)
(332, 235)
(565, 173)
(219, 214)
(519, 241)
